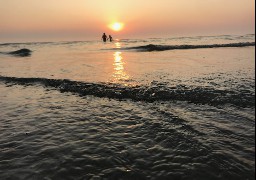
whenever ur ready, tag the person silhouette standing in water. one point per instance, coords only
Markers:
(110, 38)
(104, 37)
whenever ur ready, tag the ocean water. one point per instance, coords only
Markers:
(159, 108)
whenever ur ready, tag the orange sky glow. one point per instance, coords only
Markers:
(48, 20)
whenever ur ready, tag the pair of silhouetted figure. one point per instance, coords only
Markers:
(105, 38)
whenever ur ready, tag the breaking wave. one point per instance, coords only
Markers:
(152, 47)
(197, 95)
(20, 53)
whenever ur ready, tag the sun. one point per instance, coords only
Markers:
(117, 26)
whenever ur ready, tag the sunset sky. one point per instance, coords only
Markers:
(50, 20)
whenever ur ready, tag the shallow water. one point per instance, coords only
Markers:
(53, 135)
(123, 114)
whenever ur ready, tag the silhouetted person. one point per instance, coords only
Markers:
(104, 37)
(110, 38)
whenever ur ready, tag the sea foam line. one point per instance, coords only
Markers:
(197, 95)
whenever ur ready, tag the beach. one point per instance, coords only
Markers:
(94, 110)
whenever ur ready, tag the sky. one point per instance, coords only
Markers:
(64, 20)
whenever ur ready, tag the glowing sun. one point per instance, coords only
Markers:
(117, 26)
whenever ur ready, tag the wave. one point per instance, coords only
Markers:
(157, 92)
(152, 47)
(20, 53)
(25, 43)
(42, 43)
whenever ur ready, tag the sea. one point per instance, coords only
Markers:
(177, 108)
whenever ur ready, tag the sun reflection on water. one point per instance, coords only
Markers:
(119, 70)
(119, 75)
(118, 45)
